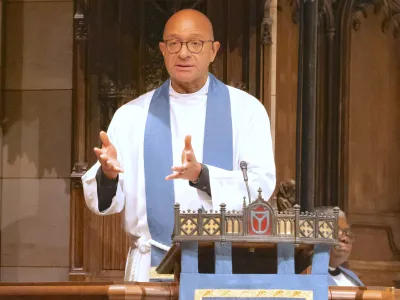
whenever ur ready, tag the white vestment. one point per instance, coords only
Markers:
(252, 143)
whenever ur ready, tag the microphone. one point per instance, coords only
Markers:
(243, 166)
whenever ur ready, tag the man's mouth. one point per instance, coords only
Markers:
(184, 66)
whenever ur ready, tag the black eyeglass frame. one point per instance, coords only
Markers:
(186, 43)
(347, 232)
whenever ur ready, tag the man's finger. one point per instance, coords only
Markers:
(173, 176)
(117, 169)
(179, 169)
(103, 158)
(113, 166)
(183, 156)
(190, 156)
(98, 152)
(188, 143)
(104, 139)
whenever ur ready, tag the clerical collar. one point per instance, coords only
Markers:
(202, 91)
(334, 272)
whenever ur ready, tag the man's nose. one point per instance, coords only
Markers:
(184, 52)
(343, 238)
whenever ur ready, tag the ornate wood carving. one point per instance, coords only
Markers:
(391, 9)
(392, 15)
(266, 55)
(286, 195)
(81, 33)
(266, 24)
(236, 226)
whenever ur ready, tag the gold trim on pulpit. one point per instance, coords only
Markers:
(153, 274)
(220, 293)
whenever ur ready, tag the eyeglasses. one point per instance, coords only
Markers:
(194, 46)
(346, 232)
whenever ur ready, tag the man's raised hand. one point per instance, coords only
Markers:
(107, 157)
(190, 168)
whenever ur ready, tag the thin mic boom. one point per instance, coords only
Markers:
(243, 166)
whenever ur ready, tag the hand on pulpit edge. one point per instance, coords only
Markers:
(190, 168)
(107, 157)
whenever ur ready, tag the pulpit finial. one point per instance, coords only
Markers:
(259, 198)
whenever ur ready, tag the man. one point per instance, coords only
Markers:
(338, 274)
(141, 166)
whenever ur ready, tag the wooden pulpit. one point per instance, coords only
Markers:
(250, 253)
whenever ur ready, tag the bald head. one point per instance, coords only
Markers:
(189, 20)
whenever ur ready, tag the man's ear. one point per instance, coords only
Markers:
(215, 47)
(162, 47)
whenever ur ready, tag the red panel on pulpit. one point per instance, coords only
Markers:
(260, 222)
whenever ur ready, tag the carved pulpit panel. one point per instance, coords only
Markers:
(118, 59)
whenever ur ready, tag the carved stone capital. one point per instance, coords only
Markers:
(266, 36)
(295, 9)
(79, 169)
(77, 182)
(81, 32)
(326, 12)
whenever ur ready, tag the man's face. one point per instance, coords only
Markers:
(183, 63)
(340, 254)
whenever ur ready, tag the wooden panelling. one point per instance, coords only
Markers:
(369, 93)
(286, 93)
(376, 273)
(373, 161)
(115, 244)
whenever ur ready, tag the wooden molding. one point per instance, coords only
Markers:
(389, 232)
(111, 290)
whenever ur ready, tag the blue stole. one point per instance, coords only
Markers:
(158, 159)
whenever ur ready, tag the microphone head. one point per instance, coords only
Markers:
(243, 165)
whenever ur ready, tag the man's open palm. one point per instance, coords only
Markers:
(107, 157)
(190, 167)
